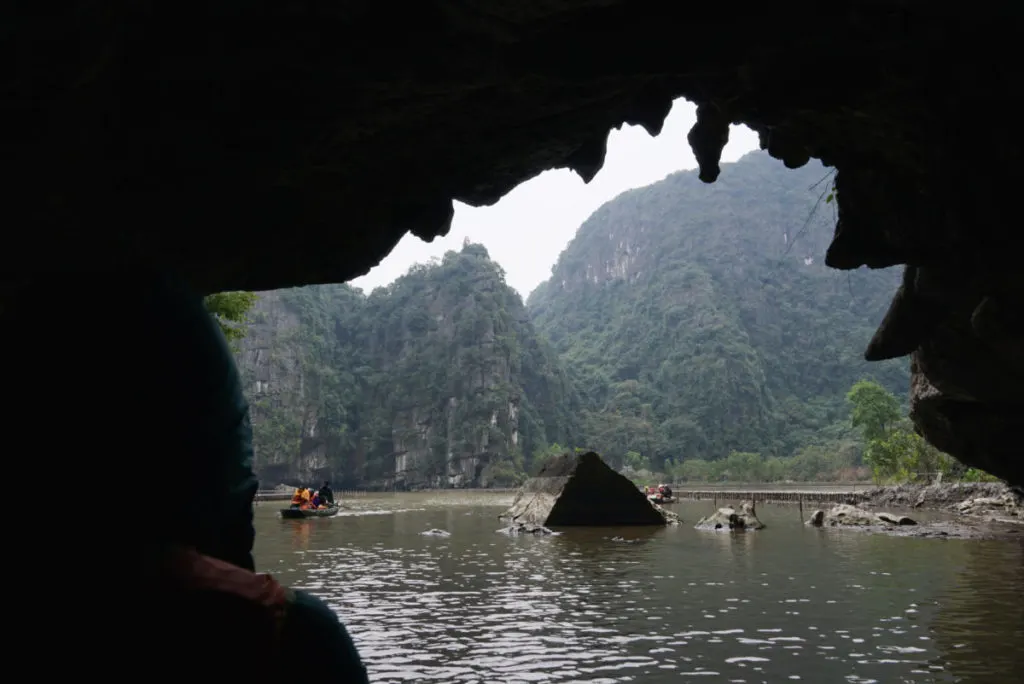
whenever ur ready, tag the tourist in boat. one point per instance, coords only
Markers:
(301, 498)
(326, 494)
(170, 384)
(315, 500)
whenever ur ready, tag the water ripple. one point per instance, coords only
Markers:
(584, 607)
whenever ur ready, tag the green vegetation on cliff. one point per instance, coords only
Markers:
(701, 324)
(231, 310)
(688, 329)
(435, 380)
(893, 450)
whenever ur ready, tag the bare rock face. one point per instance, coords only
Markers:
(670, 517)
(728, 518)
(965, 334)
(581, 490)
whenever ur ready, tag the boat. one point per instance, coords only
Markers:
(661, 494)
(295, 513)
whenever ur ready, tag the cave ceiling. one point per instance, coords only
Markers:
(259, 145)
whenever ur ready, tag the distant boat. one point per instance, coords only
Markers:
(659, 496)
(294, 513)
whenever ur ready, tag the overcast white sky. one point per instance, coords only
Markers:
(529, 227)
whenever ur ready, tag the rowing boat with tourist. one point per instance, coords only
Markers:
(660, 494)
(307, 503)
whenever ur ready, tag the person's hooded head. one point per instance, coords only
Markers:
(125, 374)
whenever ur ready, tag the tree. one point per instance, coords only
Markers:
(230, 310)
(636, 462)
(905, 455)
(875, 409)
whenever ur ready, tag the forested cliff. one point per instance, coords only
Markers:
(685, 321)
(437, 380)
(700, 319)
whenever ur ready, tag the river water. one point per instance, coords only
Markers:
(787, 603)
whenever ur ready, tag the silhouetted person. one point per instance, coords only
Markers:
(122, 375)
(326, 494)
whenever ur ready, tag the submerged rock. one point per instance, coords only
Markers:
(670, 517)
(518, 529)
(845, 515)
(581, 490)
(728, 518)
(968, 527)
(436, 533)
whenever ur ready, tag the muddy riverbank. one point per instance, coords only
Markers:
(986, 500)
(969, 510)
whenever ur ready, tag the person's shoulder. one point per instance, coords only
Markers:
(314, 633)
(308, 610)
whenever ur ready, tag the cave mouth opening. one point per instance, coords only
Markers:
(521, 217)
(204, 159)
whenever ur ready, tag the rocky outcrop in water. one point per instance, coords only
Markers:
(845, 515)
(895, 519)
(1005, 507)
(520, 529)
(581, 490)
(670, 517)
(728, 518)
(980, 519)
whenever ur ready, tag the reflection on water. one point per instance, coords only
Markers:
(301, 532)
(980, 621)
(610, 605)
